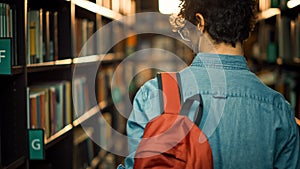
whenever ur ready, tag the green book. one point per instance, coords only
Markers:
(275, 3)
(5, 56)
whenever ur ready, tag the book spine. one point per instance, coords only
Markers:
(38, 111)
(59, 106)
(28, 107)
(1, 20)
(68, 103)
(15, 36)
(33, 112)
(40, 45)
(297, 37)
(53, 110)
(32, 37)
(7, 17)
(46, 36)
(55, 38)
(284, 37)
(42, 111)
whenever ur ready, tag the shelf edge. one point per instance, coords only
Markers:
(86, 115)
(268, 13)
(58, 134)
(16, 163)
(93, 7)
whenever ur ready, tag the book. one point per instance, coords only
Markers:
(68, 109)
(115, 5)
(106, 4)
(32, 40)
(53, 28)
(35, 43)
(78, 32)
(46, 37)
(264, 5)
(2, 19)
(59, 116)
(296, 36)
(13, 23)
(284, 37)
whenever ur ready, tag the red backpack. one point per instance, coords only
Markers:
(172, 140)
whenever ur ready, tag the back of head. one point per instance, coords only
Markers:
(228, 21)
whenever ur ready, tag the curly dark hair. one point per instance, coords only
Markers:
(228, 21)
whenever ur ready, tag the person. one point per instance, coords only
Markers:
(248, 124)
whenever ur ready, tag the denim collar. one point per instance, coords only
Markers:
(220, 61)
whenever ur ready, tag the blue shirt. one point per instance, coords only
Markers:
(248, 125)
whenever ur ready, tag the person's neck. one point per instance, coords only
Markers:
(221, 48)
(229, 50)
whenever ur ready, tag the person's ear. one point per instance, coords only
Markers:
(201, 22)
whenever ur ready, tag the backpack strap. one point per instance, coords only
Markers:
(188, 104)
(170, 92)
(170, 97)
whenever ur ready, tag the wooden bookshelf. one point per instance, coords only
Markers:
(18, 163)
(274, 55)
(103, 11)
(93, 111)
(268, 13)
(58, 136)
(17, 70)
(46, 66)
(55, 24)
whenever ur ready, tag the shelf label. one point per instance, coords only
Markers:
(36, 144)
(5, 56)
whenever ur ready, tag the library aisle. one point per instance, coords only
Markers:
(61, 96)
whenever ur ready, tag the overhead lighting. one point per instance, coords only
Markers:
(169, 6)
(293, 3)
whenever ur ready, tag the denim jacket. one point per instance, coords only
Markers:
(248, 125)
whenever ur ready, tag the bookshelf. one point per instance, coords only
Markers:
(45, 39)
(273, 50)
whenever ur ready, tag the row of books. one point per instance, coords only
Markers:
(86, 158)
(103, 84)
(8, 28)
(84, 148)
(6, 21)
(80, 97)
(42, 27)
(266, 4)
(281, 40)
(285, 82)
(83, 154)
(288, 84)
(288, 37)
(49, 106)
(92, 152)
(121, 6)
(84, 29)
